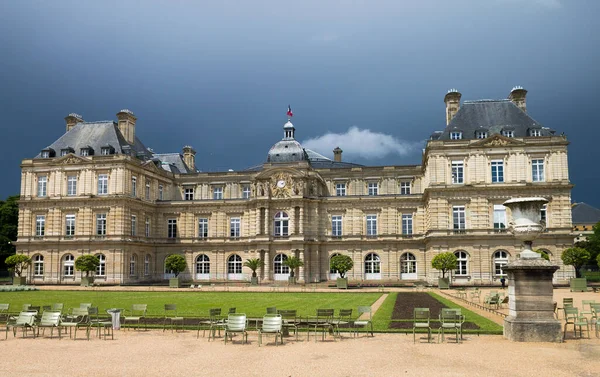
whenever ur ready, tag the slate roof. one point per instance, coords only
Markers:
(172, 162)
(582, 213)
(491, 116)
(97, 135)
(317, 161)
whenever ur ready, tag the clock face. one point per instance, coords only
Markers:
(281, 183)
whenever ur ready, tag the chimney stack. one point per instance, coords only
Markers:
(337, 154)
(452, 101)
(189, 157)
(517, 96)
(72, 119)
(127, 125)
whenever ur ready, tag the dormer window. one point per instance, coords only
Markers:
(508, 133)
(535, 132)
(107, 150)
(66, 151)
(47, 153)
(481, 134)
(86, 151)
(455, 135)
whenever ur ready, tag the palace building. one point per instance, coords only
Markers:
(98, 190)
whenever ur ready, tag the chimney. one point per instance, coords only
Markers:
(452, 101)
(517, 96)
(337, 154)
(127, 125)
(72, 119)
(189, 157)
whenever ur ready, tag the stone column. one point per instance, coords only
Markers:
(301, 278)
(267, 266)
(531, 307)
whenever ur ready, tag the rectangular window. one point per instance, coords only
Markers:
(102, 184)
(42, 186)
(133, 225)
(543, 214)
(373, 188)
(84, 152)
(336, 226)
(455, 135)
(234, 227)
(458, 218)
(499, 217)
(340, 189)
(218, 193)
(132, 266)
(72, 185)
(480, 134)
(133, 186)
(537, 170)
(246, 192)
(70, 226)
(101, 224)
(40, 225)
(371, 225)
(407, 224)
(45, 154)
(172, 228)
(508, 133)
(147, 190)
(160, 192)
(203, 228)
(147, 227)
(457, 172)
(404, 188)
(105, 151)
(497, 171)
(64, 152)
(188, 193)
(535, 132)
(147, 265)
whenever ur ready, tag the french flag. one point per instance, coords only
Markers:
(289, 112)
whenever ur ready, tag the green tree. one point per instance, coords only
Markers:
(576, 257)
(253, 264)
(87, 263)
(175, 263)
(18, 263)
(293, 263)
(592, 244)
(444, 262)
(598, 260)
(9, 220)
(342, 264)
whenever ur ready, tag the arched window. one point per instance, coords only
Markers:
(38, 265)
(101, 270)
(147, 264)
(331, 270)
(372, 264)
(68, 265)
(278, 266)
(408, 264)
(462, 267)
(167, 274)
(234, 264)
(500, 260)
(203, 264)
(281, 224)
(132, 263)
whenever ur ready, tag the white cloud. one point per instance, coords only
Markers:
(361, 143)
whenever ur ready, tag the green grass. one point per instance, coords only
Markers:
(381, 319)
(194, 304)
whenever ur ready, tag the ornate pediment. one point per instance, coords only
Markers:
(281, 185)
(71, 159)
(497, 140)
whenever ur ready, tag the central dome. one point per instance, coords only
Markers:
(288, 149)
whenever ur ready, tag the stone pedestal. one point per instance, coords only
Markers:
(531, 306)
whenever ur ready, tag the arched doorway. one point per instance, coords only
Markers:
(372, 267)
(408, 266)
(234, 268)
(280, 270)
(202, 267)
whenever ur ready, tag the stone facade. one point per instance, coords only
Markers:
(133, 209)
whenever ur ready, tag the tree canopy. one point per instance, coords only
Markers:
(87, 263)
(253, 264)
(175, 263)
(293, 263)
(444, 262)
(342, 264)
(576, 257)
(18, 262)
(9, 221)
(592, 244)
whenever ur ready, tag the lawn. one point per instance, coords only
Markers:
(194, 304)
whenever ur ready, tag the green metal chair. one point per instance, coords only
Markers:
(102, 323)
(271, 324)
(272, 310)
(449, 320)
(322, 322)
(289, 321)
(213, 323)
(572, 317)
(236, 324)
(421, 320)
(79, 318)
(49, 320)
(172, 318)
(363, 311)
(344, 319)
(588, 304)
(25, 321)
(136, 315)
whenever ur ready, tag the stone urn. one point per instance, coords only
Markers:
(530, 297)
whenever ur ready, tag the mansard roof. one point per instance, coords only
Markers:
(491, 116)
(172, 162)
(583, 213)
(96, 135)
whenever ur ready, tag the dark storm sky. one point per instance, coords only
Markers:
(219, 74)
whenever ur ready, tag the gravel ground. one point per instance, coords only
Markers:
(157, 353)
